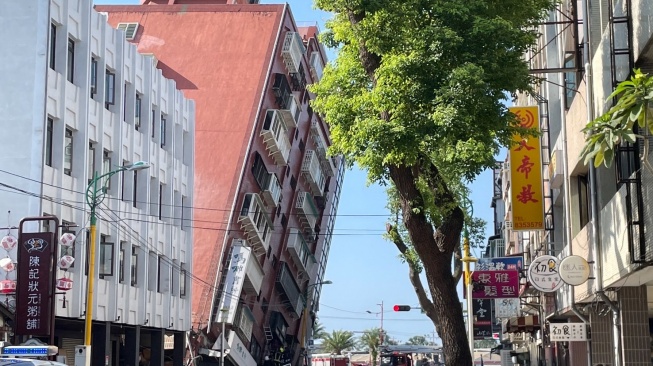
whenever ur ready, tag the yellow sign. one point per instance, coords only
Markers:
(526, 173)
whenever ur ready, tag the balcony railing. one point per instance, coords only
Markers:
(290, 111)
(253, 277)
(306, 211)
(316, 66)
(271, 190)
(321, 148)
(255, 222)
(275, 137)
(289, 288)
(292, 51)
(299, 251)
(312, 171)
(244, 321)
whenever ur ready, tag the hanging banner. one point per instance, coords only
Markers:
(526, 173)
(233, 284)
(34, 284)
(567, 332)
(495, 284)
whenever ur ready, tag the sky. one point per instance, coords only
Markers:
(365, 269)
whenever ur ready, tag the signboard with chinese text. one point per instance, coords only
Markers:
(543, 273)
(34, 284)
(495, 284)
(239, 352)
(506, 308)
(482, 309)
(233, 285)
(567, 332)
(526, 173)
(500, 263)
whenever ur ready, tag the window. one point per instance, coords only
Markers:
(106, 257)
(133, 272)
(293, 183)
(137, 112)
(106, 166)
(134, 187)
(90, 171)
(122, 182)
(583, 201)
(160, 201)
(121, 262)
(183, 280)
(70, 66)
(109, 89)
(163, 130)
(93, 77)
(184, 213)
(68, 152)
(53, 46)
(153, 122)
(260, 172)
(570, 79)
(48, 141)
(124, 103)
(159, 281)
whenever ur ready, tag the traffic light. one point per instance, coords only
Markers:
(401, 308)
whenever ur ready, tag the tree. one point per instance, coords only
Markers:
(318, 331)
(338, 341)
(415, 98)
(370, 341)
(418, 341)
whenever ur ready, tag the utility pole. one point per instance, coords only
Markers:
(381, 338)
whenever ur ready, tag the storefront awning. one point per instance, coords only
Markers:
(520, 324)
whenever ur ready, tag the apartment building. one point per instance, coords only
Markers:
(266, 191)
(78, 100)
(600, 214)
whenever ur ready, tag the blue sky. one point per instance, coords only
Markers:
(365, 268)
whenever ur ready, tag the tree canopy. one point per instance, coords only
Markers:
(416, 97)
(338, 341)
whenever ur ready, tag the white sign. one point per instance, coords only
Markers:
(233, 285)
(239, 352)
(506, 308)
(543, 273)
(567, 332)
(574, 270)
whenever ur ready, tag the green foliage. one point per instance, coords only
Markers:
(616, 125)
(318, 331)
(370, 341)
(338, 341)
(444, 68)
(418, 341)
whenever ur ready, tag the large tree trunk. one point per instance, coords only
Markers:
(436, 249)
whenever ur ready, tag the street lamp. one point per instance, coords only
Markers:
(95, 193)
(381, 330)
(467, 259)
(306, 316)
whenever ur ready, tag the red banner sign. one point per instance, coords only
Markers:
(34, 284)
(495, 284)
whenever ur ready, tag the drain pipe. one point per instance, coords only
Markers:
(566, 187)
(594, 199)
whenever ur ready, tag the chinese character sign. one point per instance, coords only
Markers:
(543, 273)
(495, 284)
(233, 283)
(567, 332)
(526, 173)
(500, 263)
(506, 308)
(34, 284)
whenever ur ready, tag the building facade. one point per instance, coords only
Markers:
(79, 100)
(600, 214)
(266, 191)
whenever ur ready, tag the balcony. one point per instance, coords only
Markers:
(275, 137)
(255, 222)
(299, 251)
(306, 211)
(292, 51)
(244, 322)
(253, 277)
(286, 283)
(290, 110)
(312, 171)
(321, 148)
(271, 190)
(316, 66)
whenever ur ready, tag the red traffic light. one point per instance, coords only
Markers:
(401, 308)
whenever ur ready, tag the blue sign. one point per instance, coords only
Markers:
(500, 264)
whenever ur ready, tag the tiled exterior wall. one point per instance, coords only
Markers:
(635, 337)
(601, 333)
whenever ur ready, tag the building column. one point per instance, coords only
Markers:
(602, 341)
(132, 345)
(180, 349)
(101, 346)
(157, 351)
(635, 337)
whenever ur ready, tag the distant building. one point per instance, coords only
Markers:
(78, 99)
(266, 192)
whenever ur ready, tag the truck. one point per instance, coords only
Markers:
(327, 359)
(403, 355)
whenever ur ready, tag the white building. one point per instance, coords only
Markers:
(75, 98)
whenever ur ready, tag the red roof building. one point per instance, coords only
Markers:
(265, 193)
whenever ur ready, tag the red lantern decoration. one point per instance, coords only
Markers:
(65, 262)
(64, 284)
(7, 264)
(8, 242)
(67, 240)
(7, 287)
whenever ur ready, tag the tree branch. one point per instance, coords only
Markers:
(458, 264)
